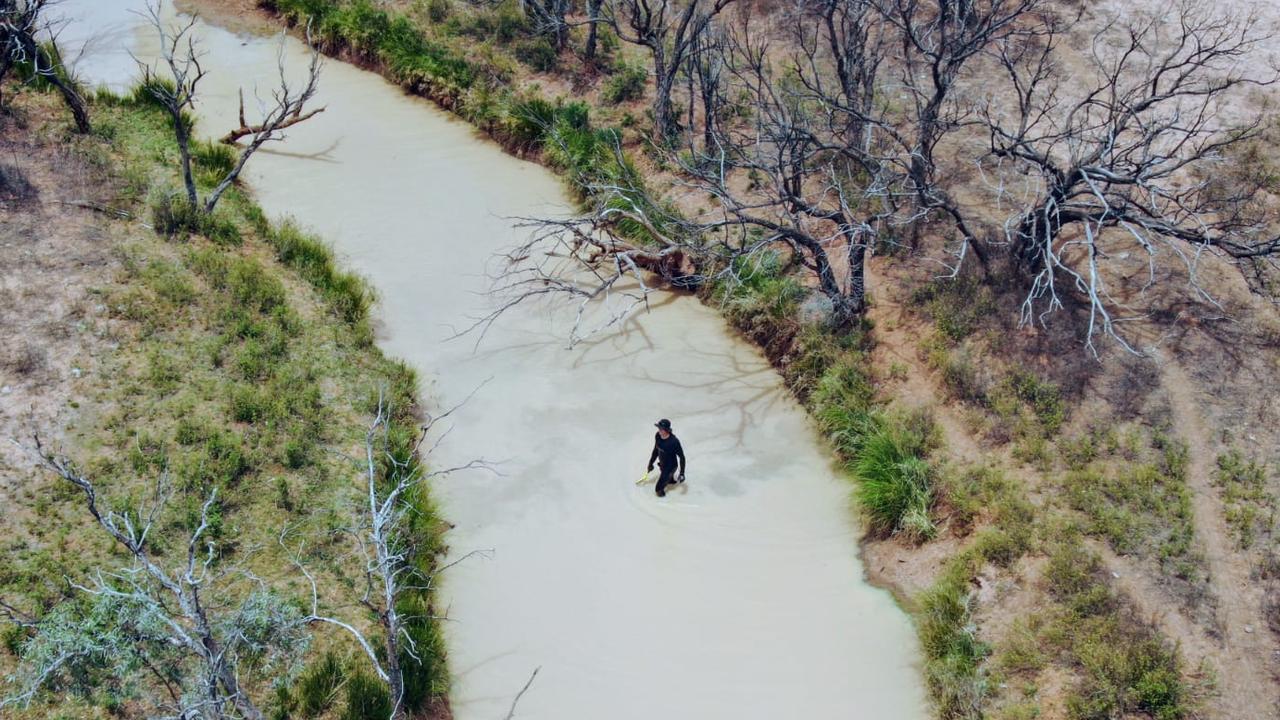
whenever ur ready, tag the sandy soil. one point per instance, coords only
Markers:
(53, 254)
(1247, 654)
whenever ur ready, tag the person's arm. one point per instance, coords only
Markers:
(653, 455)
(684, 464)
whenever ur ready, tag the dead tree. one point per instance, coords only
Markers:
(816, 183)
(179, 625)
(388, 549)
(593, 27)
(548, 17)
(1130, 164)
(21, 23)
(177, 94)
(704, 71)
(802, 176)
(669, 30)
(939, 40)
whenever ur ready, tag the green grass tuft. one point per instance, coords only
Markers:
(894, 484)
(627, 83)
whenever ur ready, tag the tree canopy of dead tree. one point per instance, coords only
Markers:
(175, 628)
(22, 22)
(939, 41)
(798, 149)
(821, 137)
(1124, 163)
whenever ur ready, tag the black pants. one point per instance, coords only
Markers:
(665, 478)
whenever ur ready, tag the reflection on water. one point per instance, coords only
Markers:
(739, 596)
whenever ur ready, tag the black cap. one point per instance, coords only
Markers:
(664, 423)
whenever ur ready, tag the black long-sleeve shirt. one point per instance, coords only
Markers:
(666, 450)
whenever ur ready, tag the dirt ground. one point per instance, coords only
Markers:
(54, 255)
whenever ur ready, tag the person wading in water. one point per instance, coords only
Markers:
(666, 449)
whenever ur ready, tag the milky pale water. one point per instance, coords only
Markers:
(739, 596)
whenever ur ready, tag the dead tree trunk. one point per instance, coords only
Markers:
(668, 29)
(20, 24)
(593, 26)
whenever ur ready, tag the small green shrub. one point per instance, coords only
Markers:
(212, 161)
(960, 373)
(894, 484)
(1023, 651)
(1250, 508)
(297, 451)
(253, 288)
(172, 215)
(538, 53)
(367, 698)
(626, 83)
(529, 120)
(1044, 397)
(175, 218)
(437, 10)
(284, 495)
(190, 431)
(957, 306)
(170, 282)
(282, 703)
(318, 685)
(759, 283)
(248, 404)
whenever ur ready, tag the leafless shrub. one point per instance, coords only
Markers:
(15, 189)
(24, 359)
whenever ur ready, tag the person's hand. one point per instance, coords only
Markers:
(682, 477)
(649, 469)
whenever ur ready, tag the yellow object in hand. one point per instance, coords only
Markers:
(643, 478)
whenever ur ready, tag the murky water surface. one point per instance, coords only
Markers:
(740, 596)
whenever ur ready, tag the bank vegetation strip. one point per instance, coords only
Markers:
(228, 422)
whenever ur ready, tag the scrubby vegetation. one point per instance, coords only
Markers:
(1250, 508)
(242, 370)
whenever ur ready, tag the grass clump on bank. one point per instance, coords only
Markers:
(954, 656)
(895, 482)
